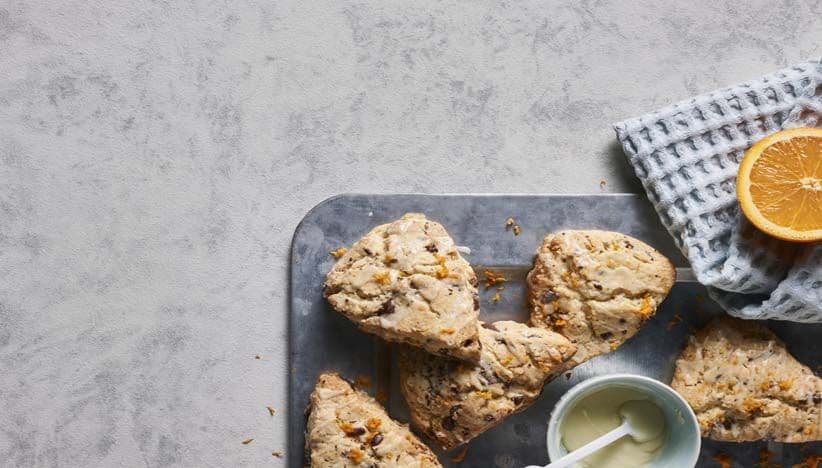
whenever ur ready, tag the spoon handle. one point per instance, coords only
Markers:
(592, 446)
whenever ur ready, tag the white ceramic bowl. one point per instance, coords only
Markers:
(682, 442)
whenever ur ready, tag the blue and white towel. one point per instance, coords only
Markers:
(687, 156)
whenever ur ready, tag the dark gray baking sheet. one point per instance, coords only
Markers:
(324, 340)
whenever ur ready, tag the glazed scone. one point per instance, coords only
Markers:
(406, 282)
(744, 385)
(596, 288)
(346, 427)
(452, 402)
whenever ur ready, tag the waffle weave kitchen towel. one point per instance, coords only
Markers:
(687, 156)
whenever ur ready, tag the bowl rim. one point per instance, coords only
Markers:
(573, 394)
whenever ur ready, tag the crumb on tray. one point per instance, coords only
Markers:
(674, 321)
(459, 456)
(362, 381)
(493, 278)
(510, 223)
(723, 460)
(382, 395)
(811, 461)
(764, 458)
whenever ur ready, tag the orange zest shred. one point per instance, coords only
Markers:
(751, 404)
(350, 430)
(339, 252)
(442, 271)
(373, 423)
(356, 455)
(646, 308)
(571, 277)
(493, 278)
(382, 277)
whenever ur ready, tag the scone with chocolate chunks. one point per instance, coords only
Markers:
(744, 385)
(406, 282)
(596, 288)
(452, 402)
(346, 427)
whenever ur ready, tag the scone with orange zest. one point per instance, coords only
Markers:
(452, 402)
(346, 427)
(744, 385)
(406, 282)
(596, 288)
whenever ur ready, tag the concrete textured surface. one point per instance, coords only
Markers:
(155, 158)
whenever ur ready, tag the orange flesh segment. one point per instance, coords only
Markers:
(786, 183)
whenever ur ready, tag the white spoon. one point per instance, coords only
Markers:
(641, 419)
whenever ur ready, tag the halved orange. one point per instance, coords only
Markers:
(779, 185)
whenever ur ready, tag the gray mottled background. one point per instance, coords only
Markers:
(155, 158)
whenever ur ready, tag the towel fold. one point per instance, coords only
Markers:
(687, 156)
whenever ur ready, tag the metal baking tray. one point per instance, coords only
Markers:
(320, 339)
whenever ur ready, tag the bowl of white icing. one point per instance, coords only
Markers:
(594, 407)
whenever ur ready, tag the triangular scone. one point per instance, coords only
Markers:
(596, 288)
(346, 427)
(744, 385)
(452, 402)
(406, 282)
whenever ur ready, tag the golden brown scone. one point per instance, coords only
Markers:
(406, 282)
(452, 401)
(596, 288)
(743, 385)
(346, 427)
